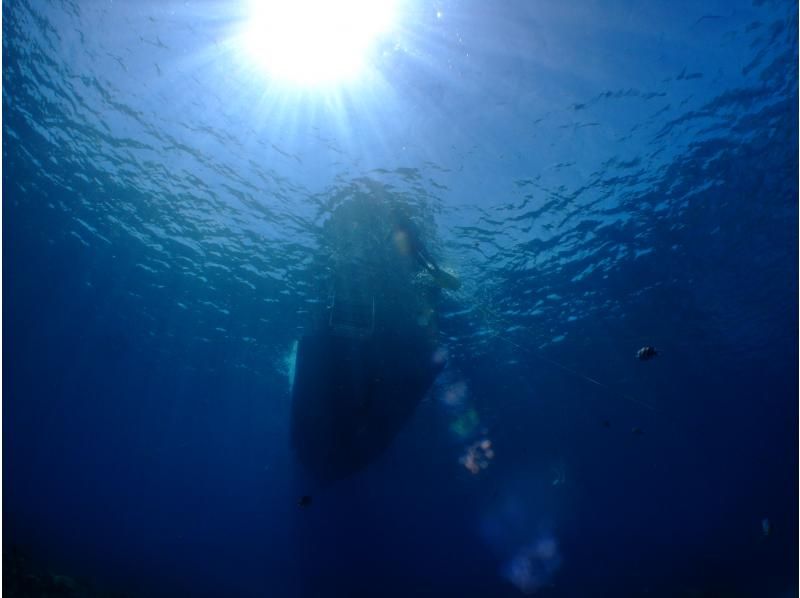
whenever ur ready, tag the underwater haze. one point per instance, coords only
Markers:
(600, 176)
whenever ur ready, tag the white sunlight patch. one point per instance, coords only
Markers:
(315, 42)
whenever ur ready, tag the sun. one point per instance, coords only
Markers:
(315, 42)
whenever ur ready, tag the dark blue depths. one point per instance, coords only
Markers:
(158, 266)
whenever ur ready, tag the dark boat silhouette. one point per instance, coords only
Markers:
(371, 355)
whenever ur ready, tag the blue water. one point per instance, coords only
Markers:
(600, 175)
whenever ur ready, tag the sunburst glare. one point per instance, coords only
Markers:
(313, 43)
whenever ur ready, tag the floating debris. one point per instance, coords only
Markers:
(645, 353)
(636, 431)
(606, 423)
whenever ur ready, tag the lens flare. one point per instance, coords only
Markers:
(477, 456)
(533, 567)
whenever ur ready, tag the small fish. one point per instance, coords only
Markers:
(304, 501)
(646, 352)
(606, 423)
(636, 431)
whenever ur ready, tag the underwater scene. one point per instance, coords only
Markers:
(400, 298)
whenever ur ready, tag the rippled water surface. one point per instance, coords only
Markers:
(601, 176)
